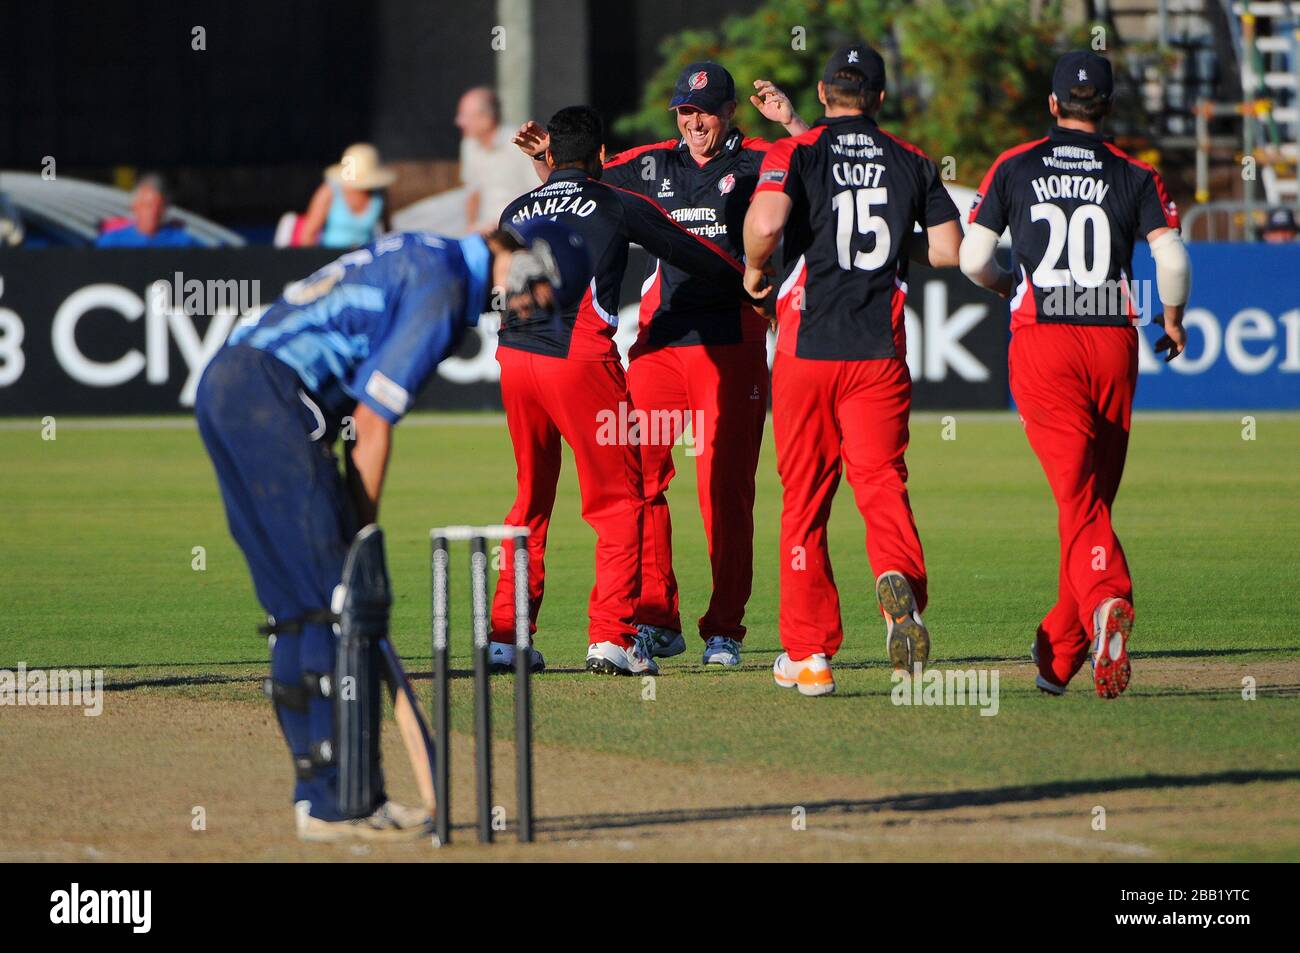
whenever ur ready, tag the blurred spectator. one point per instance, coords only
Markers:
(493, 170)
(1280, 227)
(148, 225)
(351, 206)
(11, 223)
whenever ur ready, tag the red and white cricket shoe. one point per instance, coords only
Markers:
(1112, 625)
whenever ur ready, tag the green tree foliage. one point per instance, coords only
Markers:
(967, 78)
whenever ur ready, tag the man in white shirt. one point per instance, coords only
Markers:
(492, 169)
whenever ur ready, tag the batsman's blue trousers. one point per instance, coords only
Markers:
(289, 511)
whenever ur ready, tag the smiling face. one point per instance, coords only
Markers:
(703, 132)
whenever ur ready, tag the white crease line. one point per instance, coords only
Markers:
(1132, 850)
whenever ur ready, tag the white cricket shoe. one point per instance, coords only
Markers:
(1044, 686)
(390, 822)
(663, 643)
(501, 658)
(812, 675)
(721, 650)
(609, 658)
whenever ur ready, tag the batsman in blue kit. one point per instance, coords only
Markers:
(344, 353)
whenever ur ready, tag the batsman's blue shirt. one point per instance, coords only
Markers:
(372, 326)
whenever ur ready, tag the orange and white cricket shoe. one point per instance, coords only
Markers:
(812, 675)
(1112, 625)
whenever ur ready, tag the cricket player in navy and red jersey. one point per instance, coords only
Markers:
(562, 378)
(1076, 205)
(701, 354)
(355, 342)
(846, 195)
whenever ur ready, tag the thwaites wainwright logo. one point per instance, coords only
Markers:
(698, 80)
(726, 183)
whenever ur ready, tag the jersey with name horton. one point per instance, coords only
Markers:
(608, 218)
(708, 200)
(856, 191)
(1076, 205)
(373, 325)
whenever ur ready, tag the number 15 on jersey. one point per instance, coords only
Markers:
(855, 205)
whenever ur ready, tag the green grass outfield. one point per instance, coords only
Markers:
(96, 551)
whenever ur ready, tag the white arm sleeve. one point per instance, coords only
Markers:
(977, 256)
(1173, 268)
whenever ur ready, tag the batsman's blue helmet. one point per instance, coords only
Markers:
(555, 253)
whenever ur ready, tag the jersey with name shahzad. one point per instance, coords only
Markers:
(708, 200)
(857, 192)
(608, 218)
(1075, 205)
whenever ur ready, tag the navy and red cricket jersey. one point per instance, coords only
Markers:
(840, 385)
(857, 191)
(702, 352)
(561, 376)
(709, 200)
(608, 218)
(1076, 205)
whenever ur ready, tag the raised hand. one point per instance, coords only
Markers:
(532, 138)
(772, 103)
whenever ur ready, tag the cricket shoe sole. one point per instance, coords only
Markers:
(811, 676)
(609, 658)
(1110, 664)
(907, 640)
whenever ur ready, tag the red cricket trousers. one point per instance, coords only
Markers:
(1074, 389)
(721, 391)
(546, 399)
(829, 416)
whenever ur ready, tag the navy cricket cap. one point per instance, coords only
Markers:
(862, 58)
(706, 86)
(1082, 68)
(1281, 219)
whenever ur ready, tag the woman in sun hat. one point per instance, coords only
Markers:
(351, 206)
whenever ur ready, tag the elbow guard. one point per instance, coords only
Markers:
(977, 256)
(1173, 268)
